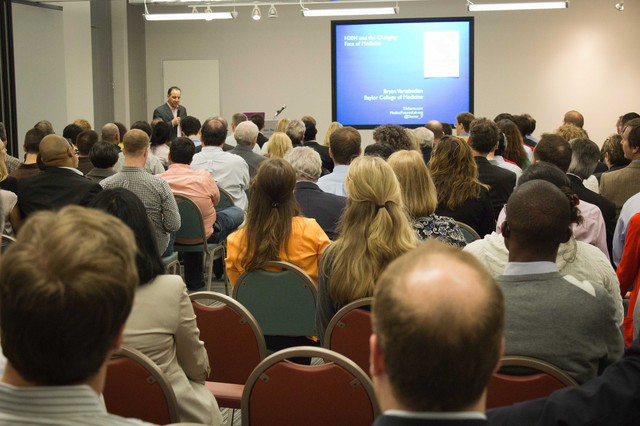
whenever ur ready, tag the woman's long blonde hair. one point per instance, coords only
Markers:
(332, 128)
(279, 145)
(272, 207)
(281, 125)
(454, 172)
(418, 191)
(374, 230)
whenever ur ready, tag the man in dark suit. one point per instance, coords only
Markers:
(310, 140)
(258, 120)
(322, 206)
(430, 358)
(483, 139)
(60, 184)
(172, 111)
(585, 155)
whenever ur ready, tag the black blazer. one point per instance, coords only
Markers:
(387, 420)
(610, 399)
(608, 208)
(164, 112)
(54, 188)
(501, 183)
(325, 208)
(262, 139)
(327, 162)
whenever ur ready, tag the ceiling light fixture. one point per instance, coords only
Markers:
(620, 6)
(207, 15)
(351, 12)
(471, 7)
(255, 13)
(273, 13)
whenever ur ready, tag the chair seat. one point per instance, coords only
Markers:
(228, 395)
(173, 257)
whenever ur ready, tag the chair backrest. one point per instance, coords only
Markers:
(349, 330)
(280, 392)
(283, 301)
(135, 387)
(191, 224)
(6, 241)
(231, 335)
(507, 389)
(470, 234)
(225, 200)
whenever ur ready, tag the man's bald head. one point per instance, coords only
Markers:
(539, 216)
(436, 127)
(55, 151)
(574, 117)
(135, 142)
(110, 133)
(438, 350)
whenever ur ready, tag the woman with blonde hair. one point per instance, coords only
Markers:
(461, 195)
(420, 199)
(515, 149)
(332, 128)
(278, 145)
(281, 125)
(374, 230)
(274, 228)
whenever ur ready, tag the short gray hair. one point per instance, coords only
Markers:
(424, 136)
(295, 130)
(306, 162)
(246, 132)
(584, 157)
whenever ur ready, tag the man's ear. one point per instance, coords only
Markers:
(505, 230)
(330, 153)
(376, 364)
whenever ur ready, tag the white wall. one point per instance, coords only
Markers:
(540, 62)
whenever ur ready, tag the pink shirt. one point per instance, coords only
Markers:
(199, 186)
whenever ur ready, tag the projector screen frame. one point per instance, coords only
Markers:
(335, 23)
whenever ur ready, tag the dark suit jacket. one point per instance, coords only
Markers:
(325, 208)
(607, 207)
(262, 139)
(164, 112)
(610, 399)
(386, 420)
(327, 162)
(501, 183)
(54, 188)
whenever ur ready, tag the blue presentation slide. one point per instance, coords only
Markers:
(401, 72)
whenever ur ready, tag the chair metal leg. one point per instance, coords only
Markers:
(209, 262)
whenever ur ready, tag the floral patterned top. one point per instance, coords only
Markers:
(441, 228)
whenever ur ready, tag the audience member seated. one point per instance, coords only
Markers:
(152, 164)
(432, 351)
(82, 123)
(345, 146)
(190, 127)
(420, 200)
(624, 119)
(278, 145)
(574, 118)
(527, 125)
(570, 131)
(382, 150)
(557, 318)
(103, 156)
(10, 213)
(236, 119)
(258, 120)
(31, 147)
(246, 136)
(497, 159)
(374, 230)
(71, 132)
(160, 142)
(60, 184)
(393, 135)
(7, 183)
(460, 194)
(154, 192)
(629, 276)
(463, 121)
(11, 162)
(62, 316)
(483, 140)
(84, 143)
(620, 185)
(612, 155)
(201, 188)
(295, 130)
(584, 157)
(425, 140)
(162, 324)
(515, 150)
(314, 203)
(310, 133)
(556, 150)
(110, 132)
(230, 171)
(576, 258)
(438, 132)
(332, 128)
(274, 228)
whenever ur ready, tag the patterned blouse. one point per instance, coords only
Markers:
(441, 228)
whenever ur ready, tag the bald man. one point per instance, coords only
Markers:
(432, 352)
(60, 184)
(438, 131)
(111, 133)
(574, 117)
(559, 319)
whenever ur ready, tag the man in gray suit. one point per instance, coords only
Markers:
(620, 185)
(172, 111)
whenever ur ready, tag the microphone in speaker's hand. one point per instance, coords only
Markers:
(279, 111)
